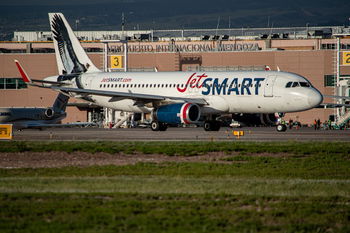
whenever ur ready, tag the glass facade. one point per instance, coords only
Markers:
(12, 83)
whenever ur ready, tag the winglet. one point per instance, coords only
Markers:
(24, 75)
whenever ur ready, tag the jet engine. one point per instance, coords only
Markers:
(177, 113)
(49, 113)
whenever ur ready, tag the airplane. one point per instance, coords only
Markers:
(23, 118)
(173, 97)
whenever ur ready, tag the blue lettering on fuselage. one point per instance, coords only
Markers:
(245, 85)
(219, 87)
(215, 87)
(206, 86)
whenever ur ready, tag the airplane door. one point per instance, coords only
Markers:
(88, 82)
(268, 88)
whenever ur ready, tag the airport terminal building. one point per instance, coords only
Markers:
(311, 52)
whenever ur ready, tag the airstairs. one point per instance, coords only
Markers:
(341, 122)
(121, 121)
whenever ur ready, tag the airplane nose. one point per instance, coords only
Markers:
(315, 98)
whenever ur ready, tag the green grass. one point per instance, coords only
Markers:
(331, 166)
(171, 213)
(177, 185)
(181, 148)
(257, 187)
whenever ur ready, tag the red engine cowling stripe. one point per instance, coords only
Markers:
(183, 113)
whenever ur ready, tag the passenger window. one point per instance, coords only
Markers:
(295, 84)
(289, 84)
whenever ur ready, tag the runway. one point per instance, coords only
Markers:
(180, 134)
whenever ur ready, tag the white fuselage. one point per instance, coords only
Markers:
(224, 92)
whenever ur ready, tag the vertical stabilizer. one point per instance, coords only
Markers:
(70, 55)
(60, 103)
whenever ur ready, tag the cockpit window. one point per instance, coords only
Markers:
(295, 84)
(289, 84)
(304, 84)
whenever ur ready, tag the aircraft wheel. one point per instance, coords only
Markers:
(207, 126)
(281, 128)
(163, 127)
(212, 125)
(216, 126)
(155, 126)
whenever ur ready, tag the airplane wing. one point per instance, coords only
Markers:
(129, 95)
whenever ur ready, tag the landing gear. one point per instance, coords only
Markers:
(281, 127)
(158, 126)
(212, 125)
(281, 124)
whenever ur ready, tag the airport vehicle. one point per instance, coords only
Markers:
(173, 97)
(22, 118)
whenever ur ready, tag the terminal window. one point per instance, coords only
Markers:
(330, 80)
(12, 83)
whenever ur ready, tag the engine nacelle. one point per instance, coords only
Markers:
(49, 113)
(186, 113)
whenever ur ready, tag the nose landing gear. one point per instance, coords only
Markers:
(281, 128)
(281, 124)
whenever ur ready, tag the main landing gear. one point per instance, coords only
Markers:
(158, 126)
(212, 125)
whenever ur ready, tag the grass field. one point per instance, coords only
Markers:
(257, 187)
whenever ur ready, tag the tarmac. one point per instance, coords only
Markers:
(180, 134)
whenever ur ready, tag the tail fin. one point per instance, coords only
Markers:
(60, 103)
(70, 56)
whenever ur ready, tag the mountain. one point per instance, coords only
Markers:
(165, 14)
